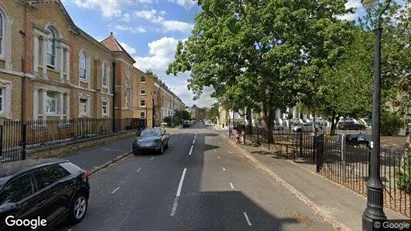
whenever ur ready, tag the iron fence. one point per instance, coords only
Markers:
(17, 137)
(343, 163)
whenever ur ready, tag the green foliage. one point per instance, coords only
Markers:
(404, 175)
(213, 113)
(390, 124)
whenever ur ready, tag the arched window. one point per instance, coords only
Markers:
(1, 33)
(83, 66)
(105, 74)
(51, 47)
(142, 115)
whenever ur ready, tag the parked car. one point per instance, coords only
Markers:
(52, 189)
(186, 124)
(350, 125)
(358, 139)
(151, 140)
(304, 127)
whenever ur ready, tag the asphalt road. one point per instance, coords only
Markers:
(199, 183)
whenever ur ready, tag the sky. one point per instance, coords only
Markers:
(149, 30)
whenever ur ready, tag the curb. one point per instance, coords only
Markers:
(335, 222)
(108, 163)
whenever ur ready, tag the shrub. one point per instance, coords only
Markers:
(404, 175)
(391, 124)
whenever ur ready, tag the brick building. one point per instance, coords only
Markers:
(51, 69)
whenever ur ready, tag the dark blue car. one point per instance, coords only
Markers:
(151, 140)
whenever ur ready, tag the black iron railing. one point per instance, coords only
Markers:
(17, 137)
(342, 162)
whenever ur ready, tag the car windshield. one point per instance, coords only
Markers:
(150, 133)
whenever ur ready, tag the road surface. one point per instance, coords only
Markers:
(199, 183)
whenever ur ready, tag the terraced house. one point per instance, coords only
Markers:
(51, 69)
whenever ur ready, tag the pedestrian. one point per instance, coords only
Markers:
(238, 133)
(242, 140)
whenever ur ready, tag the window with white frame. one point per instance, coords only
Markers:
(142, 79)
(51, 102)
(51, 48)
(142, 115)
(83, 106)
(104, 108)
(1, 34)
(105, 75)
(83, 66)
(40, 52)
(143, 92)
(142, 103)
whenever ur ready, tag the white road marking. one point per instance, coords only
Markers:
(139, 170)
(194, 141)
(231, 184)
(191, 150)
(215, 150)
(152, 158)
(218, 157)
(248, 220)
(180, 185)
(223, 169)
(174, 209)
(117, 150)
(115, 190)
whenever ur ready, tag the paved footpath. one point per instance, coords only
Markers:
(333, 201)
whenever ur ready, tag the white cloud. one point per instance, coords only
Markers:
(353, 4)
(134, 30)
(188, 4)
(131, 50)
(145, 1)
(126, 17)
(161, 54)
(149, 15)
(348, 17)
(167, 25)
(109, 8)
(177, 26)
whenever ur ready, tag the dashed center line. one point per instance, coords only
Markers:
(180, 185)
(223, 169)
(218, 157)
(152, 157)
(247, 219)
(115, 190)
(232, 186)
(191, 150)
(139, 170)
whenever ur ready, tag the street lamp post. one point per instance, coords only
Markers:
(375, 197)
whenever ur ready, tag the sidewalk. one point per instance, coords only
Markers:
(335, 203)
(92, 158)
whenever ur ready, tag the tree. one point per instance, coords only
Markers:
(250, 52)
(213, 113)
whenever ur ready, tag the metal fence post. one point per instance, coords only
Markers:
(301, 144)
(343, 155)
(23, 141)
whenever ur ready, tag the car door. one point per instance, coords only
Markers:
(54, 191)
(18, 199)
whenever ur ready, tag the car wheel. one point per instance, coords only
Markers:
(78, 208)
(161, 149)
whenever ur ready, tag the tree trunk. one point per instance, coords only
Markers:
(249, 120)
(333, 123)
(270, 124)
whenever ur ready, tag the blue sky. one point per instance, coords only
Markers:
(149, 30)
